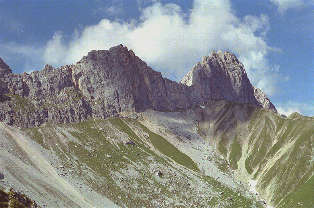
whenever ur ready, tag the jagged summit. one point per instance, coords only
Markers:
(111, 82)
(216, 64)
(222, 76)
(4, 68)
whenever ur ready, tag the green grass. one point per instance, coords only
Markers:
(222, 146)
(126, 129)
(269, 135)
(166, 148)
(261, 142)
(294, 167)
(37, 136)
(97, 139)
(121, 156)
(231, 198)
(302, 197)
(235, 154)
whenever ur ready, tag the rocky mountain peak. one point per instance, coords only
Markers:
(110, 82)
(4, 68)
(222, 76)
(48, 68)
(118, 54)
(217, 62)
(263, 99)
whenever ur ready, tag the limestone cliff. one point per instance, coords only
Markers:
(221, 76)
(110, 82)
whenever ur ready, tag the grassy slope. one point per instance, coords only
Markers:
(290, 142)
(125, 173)
(163, 146)
(279, 153)
(302, 196)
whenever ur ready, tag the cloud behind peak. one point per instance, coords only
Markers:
(172, 41)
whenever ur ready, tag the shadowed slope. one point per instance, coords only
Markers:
(275, 151)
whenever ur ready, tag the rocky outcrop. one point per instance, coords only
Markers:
(123, 82)
(16, 200)
(4, 68)
(263, 100)
(110, 82)
(221, 76)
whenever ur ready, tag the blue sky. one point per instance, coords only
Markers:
(273, 38)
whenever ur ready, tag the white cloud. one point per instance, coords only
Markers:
(31, 55)
(291, 107)
(55, 50)
(284, 5)
(172, 41)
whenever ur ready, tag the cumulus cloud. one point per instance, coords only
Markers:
(172, 41)
(284, 5)
(55, 50)
(291, 107)
(28, 55)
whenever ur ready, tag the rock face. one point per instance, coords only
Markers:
(4, 68)
(221, 76)
(110, 82)
(263, 100)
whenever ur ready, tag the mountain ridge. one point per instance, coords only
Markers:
(111, 128)
(111, 82)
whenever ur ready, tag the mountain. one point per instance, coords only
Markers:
(110, 131)
(4, 68)
(221, 76)
(115, 81)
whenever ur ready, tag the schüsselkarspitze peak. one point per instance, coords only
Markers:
(110, 82)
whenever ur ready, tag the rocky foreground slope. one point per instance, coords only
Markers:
(219, 155)
(117, 163)
(111, 132)
(115, 81)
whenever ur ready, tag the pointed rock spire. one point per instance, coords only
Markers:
(4, 68)
(222, 76)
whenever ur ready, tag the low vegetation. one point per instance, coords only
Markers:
(279, 154)
(133, 166)
(13, 199)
